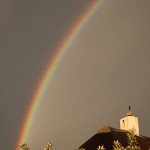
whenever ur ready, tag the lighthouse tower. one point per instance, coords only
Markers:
(130, 122)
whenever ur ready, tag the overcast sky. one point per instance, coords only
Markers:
(105, 69)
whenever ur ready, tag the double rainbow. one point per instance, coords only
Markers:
(51, 67)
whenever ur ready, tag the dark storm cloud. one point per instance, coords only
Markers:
(28, 37)
(107, 69)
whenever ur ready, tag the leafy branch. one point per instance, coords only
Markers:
(132, 144)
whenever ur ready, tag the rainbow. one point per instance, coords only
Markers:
(50, 69)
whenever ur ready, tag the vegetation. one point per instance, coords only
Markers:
(24, 146)
(132, 144)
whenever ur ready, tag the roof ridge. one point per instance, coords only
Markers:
(106, 129)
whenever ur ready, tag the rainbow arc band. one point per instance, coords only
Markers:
(52, 66)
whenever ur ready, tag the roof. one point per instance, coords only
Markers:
(107, 135)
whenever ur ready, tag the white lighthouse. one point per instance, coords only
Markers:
(130, 122)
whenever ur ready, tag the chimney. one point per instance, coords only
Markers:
(130, 122)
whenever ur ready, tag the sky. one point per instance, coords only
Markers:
(105, 70)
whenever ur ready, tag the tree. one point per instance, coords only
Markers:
(117, 146)
(132, 144)
(48, 146)
(100, 148)
(24, 146)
